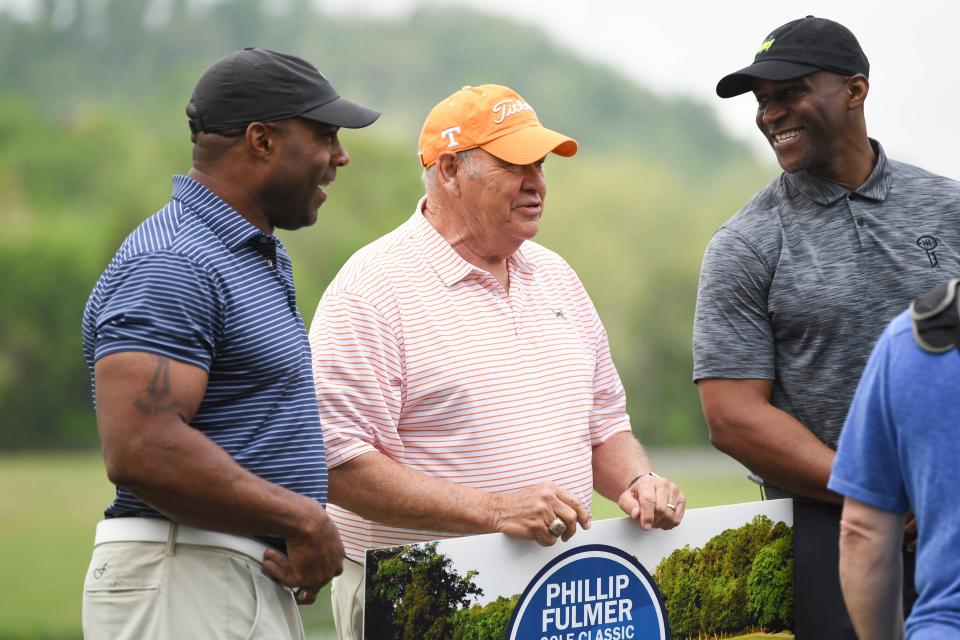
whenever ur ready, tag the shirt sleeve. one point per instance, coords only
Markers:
(732, 332)
(609, 414)
(867, 465)
(160, 303)
(357, 372)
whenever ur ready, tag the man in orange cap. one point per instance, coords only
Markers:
(463, 376)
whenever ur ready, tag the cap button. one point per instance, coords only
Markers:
(465, 87)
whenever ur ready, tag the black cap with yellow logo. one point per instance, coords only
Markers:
(796, 49)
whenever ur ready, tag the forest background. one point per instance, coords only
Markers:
(92, 127)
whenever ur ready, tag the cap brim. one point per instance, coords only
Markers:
(743, 81)
(527, 145)
(341, 112)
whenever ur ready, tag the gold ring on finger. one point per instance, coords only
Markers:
(557, 527)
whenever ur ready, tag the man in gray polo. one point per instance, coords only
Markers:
(796, 287)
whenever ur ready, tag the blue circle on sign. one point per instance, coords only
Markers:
(593, 592)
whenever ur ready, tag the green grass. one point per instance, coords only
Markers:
(50, 504)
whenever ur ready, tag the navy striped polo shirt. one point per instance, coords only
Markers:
(198, 283)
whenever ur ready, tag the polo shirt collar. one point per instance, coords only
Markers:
(225, 222)
(521, 261)
(450, 265)
(825, 193)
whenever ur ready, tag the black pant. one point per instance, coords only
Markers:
(818, 609)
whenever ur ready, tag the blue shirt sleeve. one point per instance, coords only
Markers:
(867, 466)
(160, 303)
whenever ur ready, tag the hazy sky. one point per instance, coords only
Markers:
(687, 46)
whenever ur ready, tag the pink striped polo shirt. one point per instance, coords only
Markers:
(426, 358)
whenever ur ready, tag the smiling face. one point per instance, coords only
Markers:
(807, 121)
(504, 202)
(305, 160)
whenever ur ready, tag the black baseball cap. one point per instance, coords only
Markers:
(796, 49)
(259, 85)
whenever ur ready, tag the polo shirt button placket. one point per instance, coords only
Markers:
(285, 273)
(516, 309)
(503, 297)
(265, 240)
(855, 217)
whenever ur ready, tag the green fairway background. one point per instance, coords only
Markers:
(52, 502)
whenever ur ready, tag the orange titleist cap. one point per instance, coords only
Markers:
(494, 118)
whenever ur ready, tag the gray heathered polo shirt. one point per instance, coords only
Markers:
(798, 285)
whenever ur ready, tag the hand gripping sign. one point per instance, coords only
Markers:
(614, 581)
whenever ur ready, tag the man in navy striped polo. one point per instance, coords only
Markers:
(202, 378)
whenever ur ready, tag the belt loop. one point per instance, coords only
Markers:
(171, 546)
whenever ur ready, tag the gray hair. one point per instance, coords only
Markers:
(469, 160)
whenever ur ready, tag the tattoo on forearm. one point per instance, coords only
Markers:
(155, 398)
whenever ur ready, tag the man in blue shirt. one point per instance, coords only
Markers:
(202, 377)
(899, 450)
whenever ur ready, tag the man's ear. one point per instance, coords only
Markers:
(260, 139)
(448, 173)
(858, 87)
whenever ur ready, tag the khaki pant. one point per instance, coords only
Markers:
(155, 590)
(346, 595)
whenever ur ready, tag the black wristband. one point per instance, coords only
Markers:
(648, 473)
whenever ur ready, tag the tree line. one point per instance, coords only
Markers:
(740, 581)
(414, 593)
(92, 127)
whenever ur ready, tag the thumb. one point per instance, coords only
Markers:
(628, 504)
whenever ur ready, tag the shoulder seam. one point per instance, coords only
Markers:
(750, 244)
(214, 280)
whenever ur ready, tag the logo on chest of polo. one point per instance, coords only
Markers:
(929, 244)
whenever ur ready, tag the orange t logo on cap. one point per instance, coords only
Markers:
(494, 118)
